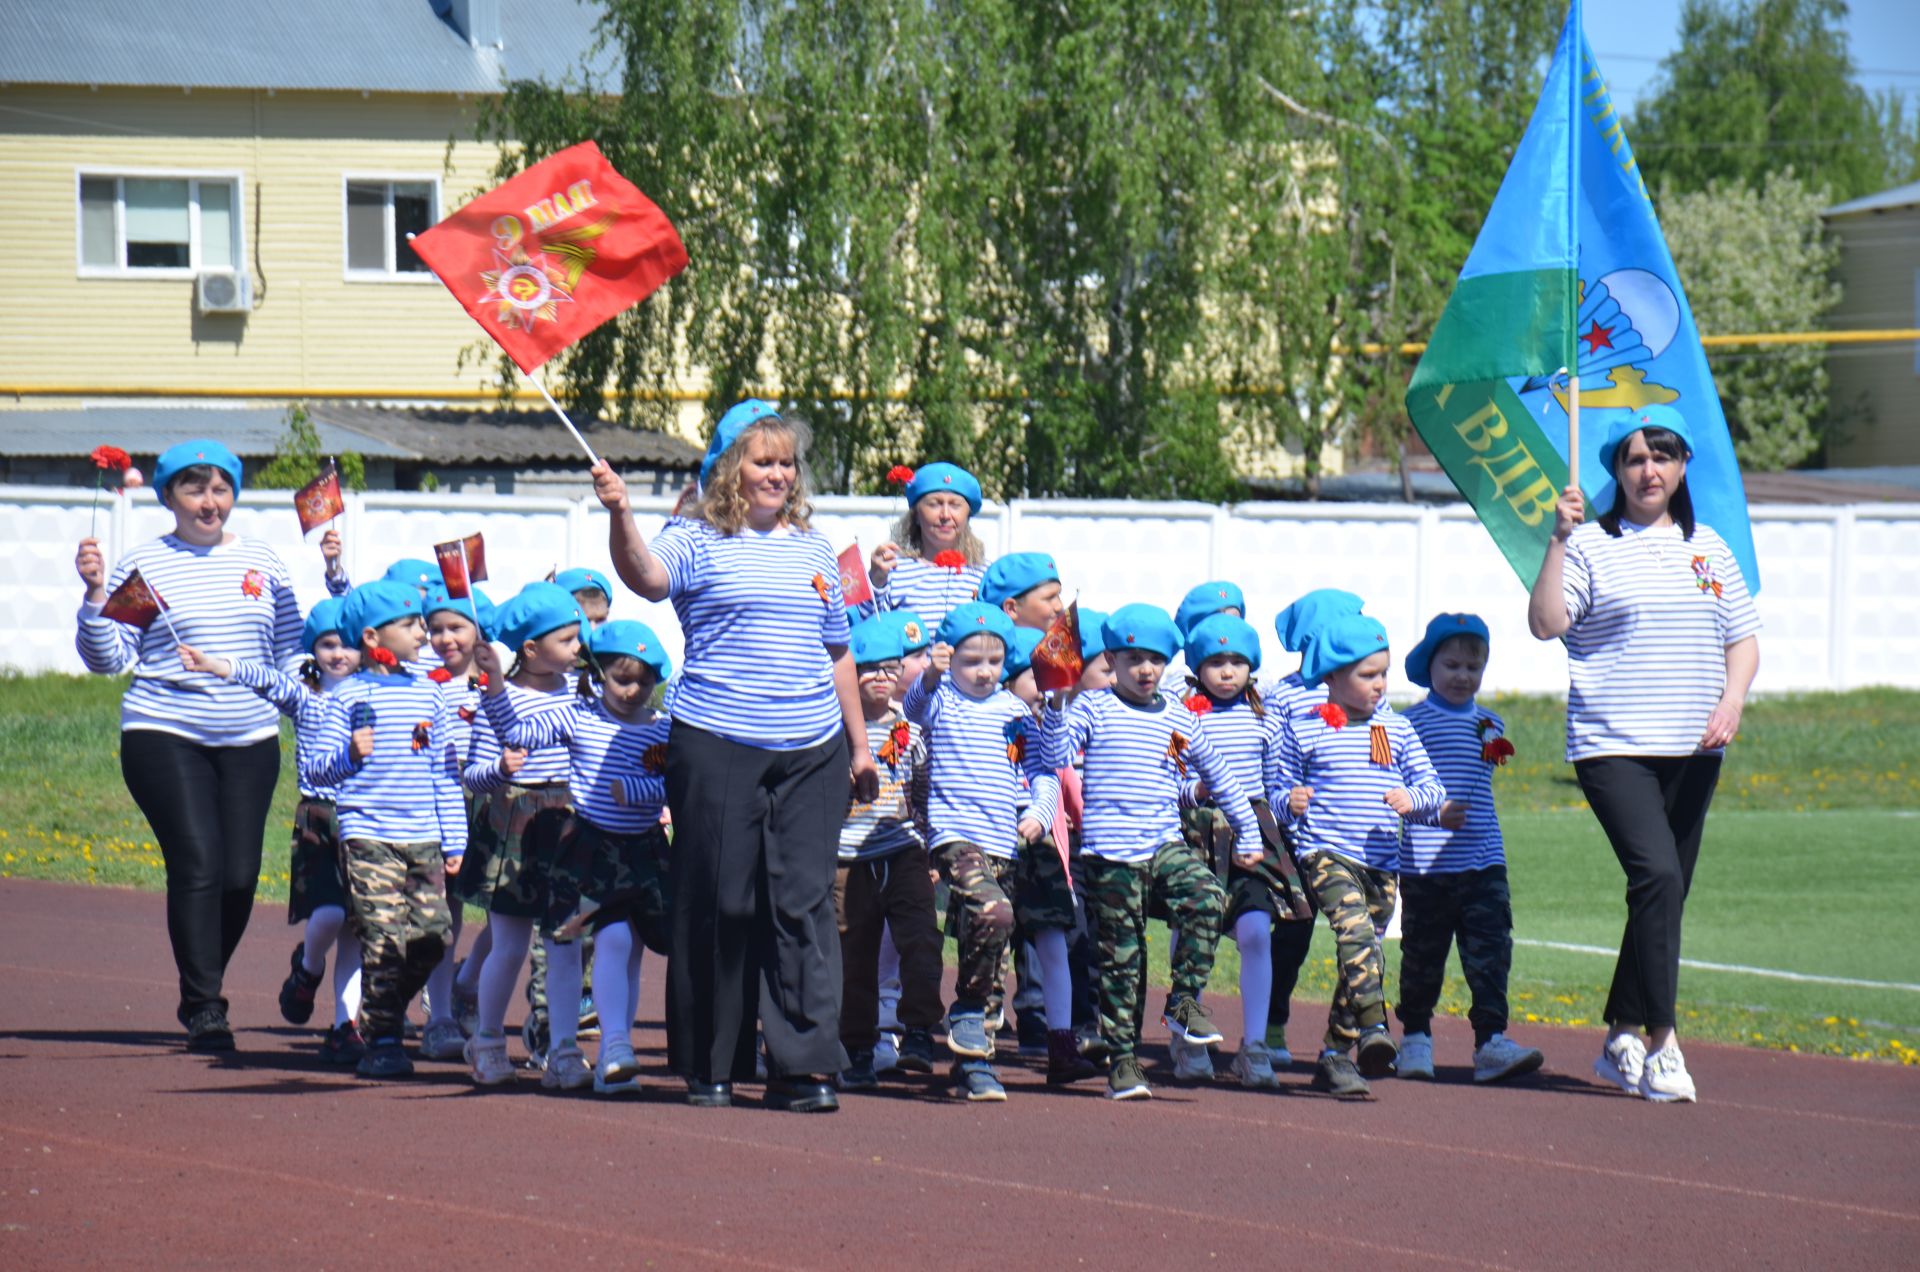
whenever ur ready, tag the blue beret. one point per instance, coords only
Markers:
(438, 600)
(1222, 634)
(322, 619)
(374, 605)
(1093, 633)
(537, 609)
(1345, 639)
(878, 640)
(415, 571)
(1016, 574)
(976, 618)
(1142, 627)
(580, 579)
(948, 477)
(1208, 598)
(1628, 423)
(625, 638)
(1020, 653)
(1439, 631)
(728, 431)
(201, 450)
(915, 635)
(1297, 623)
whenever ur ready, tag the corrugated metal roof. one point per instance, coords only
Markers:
(1905, 196)
(250, 432)
(462, 435)
(391, 46)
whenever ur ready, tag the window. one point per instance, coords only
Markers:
(380, 213)
(158, 224)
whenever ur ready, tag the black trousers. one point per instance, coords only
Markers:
(756, 838)
(1470, 909)
(207, 806)
(1288, 951)
(1653, 809)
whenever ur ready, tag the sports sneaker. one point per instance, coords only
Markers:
(1277, 1047)
(1030, 1031)
(488, 1059)
(342, 1045)
(566, 1069)
(859, 1074)
(1188, 1021)
(384, 1058)
(208, 1030)
(1253, 1065)
(536, 1038)
(975, 1081)
(1336, 1075)
(1092, 1044)
(1377, 1052)
(618, 1071)
(1191, 1061)
(1500, 1057)
(886, 1054)
(589, 1026)
(1064, 1062)
(297, 991)
(967, 1035)
(1664, 1078)
(443, 1041)
(1622, 1061)
(1416, 1057)
(1125, 1081)
(913, 1055)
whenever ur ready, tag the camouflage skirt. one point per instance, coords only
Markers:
(511, 848)
(316, 875)
(1272, 886)
(1043, 892)
(626, 875)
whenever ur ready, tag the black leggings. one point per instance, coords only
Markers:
(207, 806)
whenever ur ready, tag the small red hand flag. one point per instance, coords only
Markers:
(319, 500)
(1056, 661)
(134, 603)
(855, 587)
(463, 562)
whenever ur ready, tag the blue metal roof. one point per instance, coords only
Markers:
(250, 432)
(387, 46)
(1905, 196)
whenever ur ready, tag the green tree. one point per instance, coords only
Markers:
(298, 457)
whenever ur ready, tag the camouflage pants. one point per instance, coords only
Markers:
(980, 918)
(1117, 896)
(315, 875)
(398, 891)
(1473, 908)
(1358, 902)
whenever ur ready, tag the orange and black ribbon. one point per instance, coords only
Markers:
(1378, 748)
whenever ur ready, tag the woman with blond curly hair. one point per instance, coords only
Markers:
(757, 762)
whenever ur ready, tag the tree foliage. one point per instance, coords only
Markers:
(297, 459)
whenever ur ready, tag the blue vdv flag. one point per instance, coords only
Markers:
(1570, 270)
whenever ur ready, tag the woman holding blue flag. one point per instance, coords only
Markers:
(1661, 646)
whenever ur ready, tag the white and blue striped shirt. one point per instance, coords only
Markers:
(307, 708)
(1456, 740)
(973, 793)
(235, 600)
(545, 766)
(928, 590)
(1349, 816)
(886, 826)
(1038, 784)
(1652, 617)
(758, 611)
(408, 790)
(1242, 739)
(1289, 696)
(1134, 760)
(601, 751)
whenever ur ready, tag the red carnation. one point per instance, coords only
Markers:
(439, 675)
(951, 560)
(110, 458)
(899, 474)
(1199, 703)
(1332, 714)
(1497, 752)
(383, 656)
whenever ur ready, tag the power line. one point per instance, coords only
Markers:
(1858, 70)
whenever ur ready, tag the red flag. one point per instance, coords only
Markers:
(545, 258)
(134, 603)
(1056, 662)
(463, 562)
(855, 587)
(319, 500)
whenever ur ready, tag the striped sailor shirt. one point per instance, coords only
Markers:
(545, 766)
(886, 825)
(1242, 739)
(601, 751)
(307, 708)
(973, 792)
(1349, 817)
(926, 589)
(1456, 739)
(408, 790)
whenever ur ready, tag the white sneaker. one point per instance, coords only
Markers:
(488, 1059)
(1501, 1057)
(566, 1070)
(1416, 1057)
(1253, 1065)
(1621, 1062)
(442, 1041)
(886, 1054)
(1191, 1061)
(1664, 1078)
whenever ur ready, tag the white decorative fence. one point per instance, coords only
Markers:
(1841, 600)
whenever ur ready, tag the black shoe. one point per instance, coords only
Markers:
(297, 991)
(1377, 1053)
(208, 1030)
(1092, 1044)
(1336, 1075)
(342, 1045)
(384, 1058)
(709, 1095)
(803, 1094)
(1030, 1031)
(916, 1052)
(859, 1074)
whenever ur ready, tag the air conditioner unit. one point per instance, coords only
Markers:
(222, 291)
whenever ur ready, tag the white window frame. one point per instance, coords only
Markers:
(392, 273)
(194, 179)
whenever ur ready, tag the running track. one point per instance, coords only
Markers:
(118, 1149)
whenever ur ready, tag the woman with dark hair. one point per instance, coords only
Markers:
(1661, 646)
(200, 755)
(758, 761)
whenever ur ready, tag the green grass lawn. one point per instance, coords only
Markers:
(1808, 864)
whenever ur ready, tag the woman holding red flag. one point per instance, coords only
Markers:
(200, 755)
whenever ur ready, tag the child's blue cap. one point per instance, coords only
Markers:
(201, 450)
(878, 640)
(1142, 627)
(539, 608)
(414, 571)
(955, 480)
(1093, 633)
(976, 618)
(1016, 574)
(1628, 423)
(1442, 629)
(1339, 641)
(728, 431)
(1020, 653)
(1208, 598)
(625, 638)
(376, 604)
(1296, 624)
(582, 579)
(438, 600)
(915, 635)
(323, 619)
(1222, 634)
